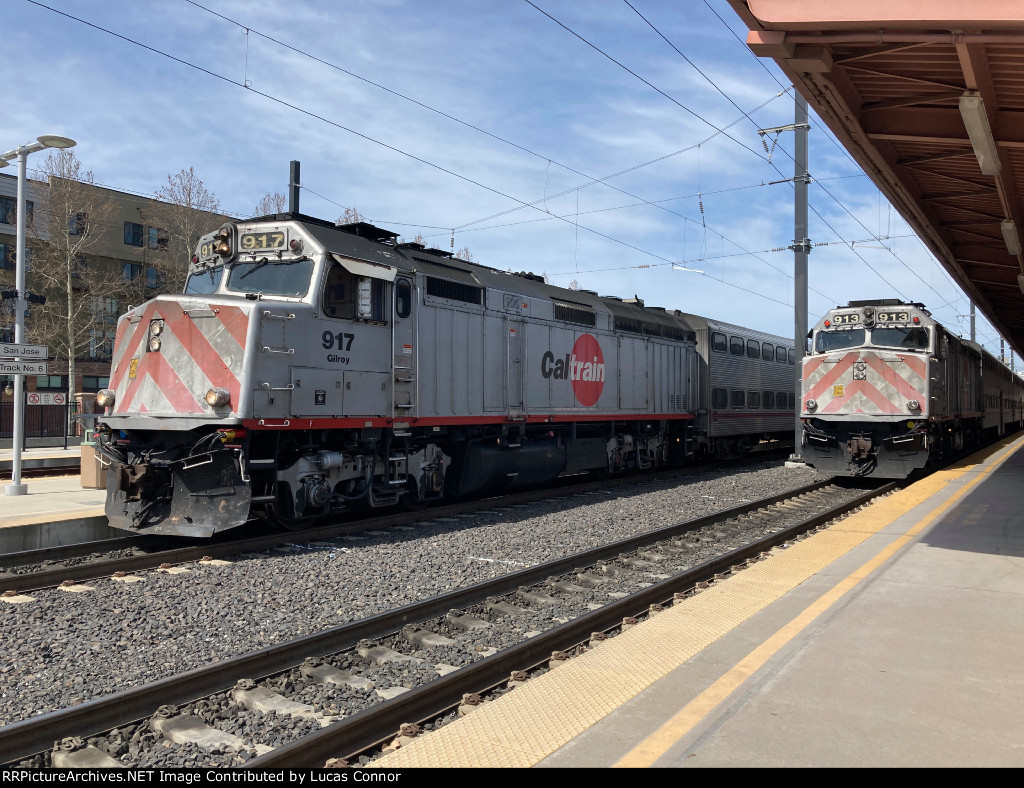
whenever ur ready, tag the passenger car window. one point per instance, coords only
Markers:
(753, 399)
(753, 348)
(738, 398)
(719, 398)
(769, 400)
(719, 342)
(767, 351)
(780, 354)
(736, 346)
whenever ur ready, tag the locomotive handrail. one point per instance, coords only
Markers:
(287, 351)
(267, 314)
(268, 387)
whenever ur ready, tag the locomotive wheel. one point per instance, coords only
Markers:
(411, 504)
(290, 523)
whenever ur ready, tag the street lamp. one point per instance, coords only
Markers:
(22, 152)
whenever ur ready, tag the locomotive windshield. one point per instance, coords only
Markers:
(914, 338)
(271, 277)
(907, 337)
(839, 340)
(204, 282)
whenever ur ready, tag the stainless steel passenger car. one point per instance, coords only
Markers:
(886, 389)
(745, 388)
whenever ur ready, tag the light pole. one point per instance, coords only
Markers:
(22, 152)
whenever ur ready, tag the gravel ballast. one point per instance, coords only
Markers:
(65, 648)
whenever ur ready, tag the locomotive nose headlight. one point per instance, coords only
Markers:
(812, 405)
(218, 397)
(105, 398)
(913, 404)
(154, 343)
(156, 328)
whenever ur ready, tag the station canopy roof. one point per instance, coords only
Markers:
(928, 97)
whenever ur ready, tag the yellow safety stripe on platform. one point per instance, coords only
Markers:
(54, 516)
(522, 727)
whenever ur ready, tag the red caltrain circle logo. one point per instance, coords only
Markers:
(583, 368)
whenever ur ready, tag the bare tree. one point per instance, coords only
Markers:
(271, 204)
(464, 254)
(178, 210)
(79, 296)
(350, 216)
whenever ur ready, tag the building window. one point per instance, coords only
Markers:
(9, 211)
(51, 383)
(77, 223)
(153, 278)
(101, 343)
(156, 238)
(104, 310)
(133, 234)
(8, 255)
(131, 271)
(94, 382)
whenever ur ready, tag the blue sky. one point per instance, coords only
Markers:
(555, 136)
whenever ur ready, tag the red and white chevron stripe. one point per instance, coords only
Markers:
(197, 352)
(866, 382)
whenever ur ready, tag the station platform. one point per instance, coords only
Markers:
(890, 639)
(54, 510)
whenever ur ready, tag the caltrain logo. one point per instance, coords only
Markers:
(583, 368)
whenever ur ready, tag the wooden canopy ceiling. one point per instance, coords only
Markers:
(906, 86)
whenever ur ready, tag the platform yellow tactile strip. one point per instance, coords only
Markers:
(526, 725)
(44, 518)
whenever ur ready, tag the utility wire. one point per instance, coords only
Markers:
(366, 137)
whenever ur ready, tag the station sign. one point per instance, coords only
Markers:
(46, 398)
(23, 367)
(9, 350)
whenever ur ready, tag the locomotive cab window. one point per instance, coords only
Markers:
(271, 277)
(838, 340)
(204, 282)
(914, 338)
(351, 297)
(403, 298)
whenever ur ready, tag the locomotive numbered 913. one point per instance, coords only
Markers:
(887, 389)
(310, 368)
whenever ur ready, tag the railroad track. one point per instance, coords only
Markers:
(77, 563)
(412, 668)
